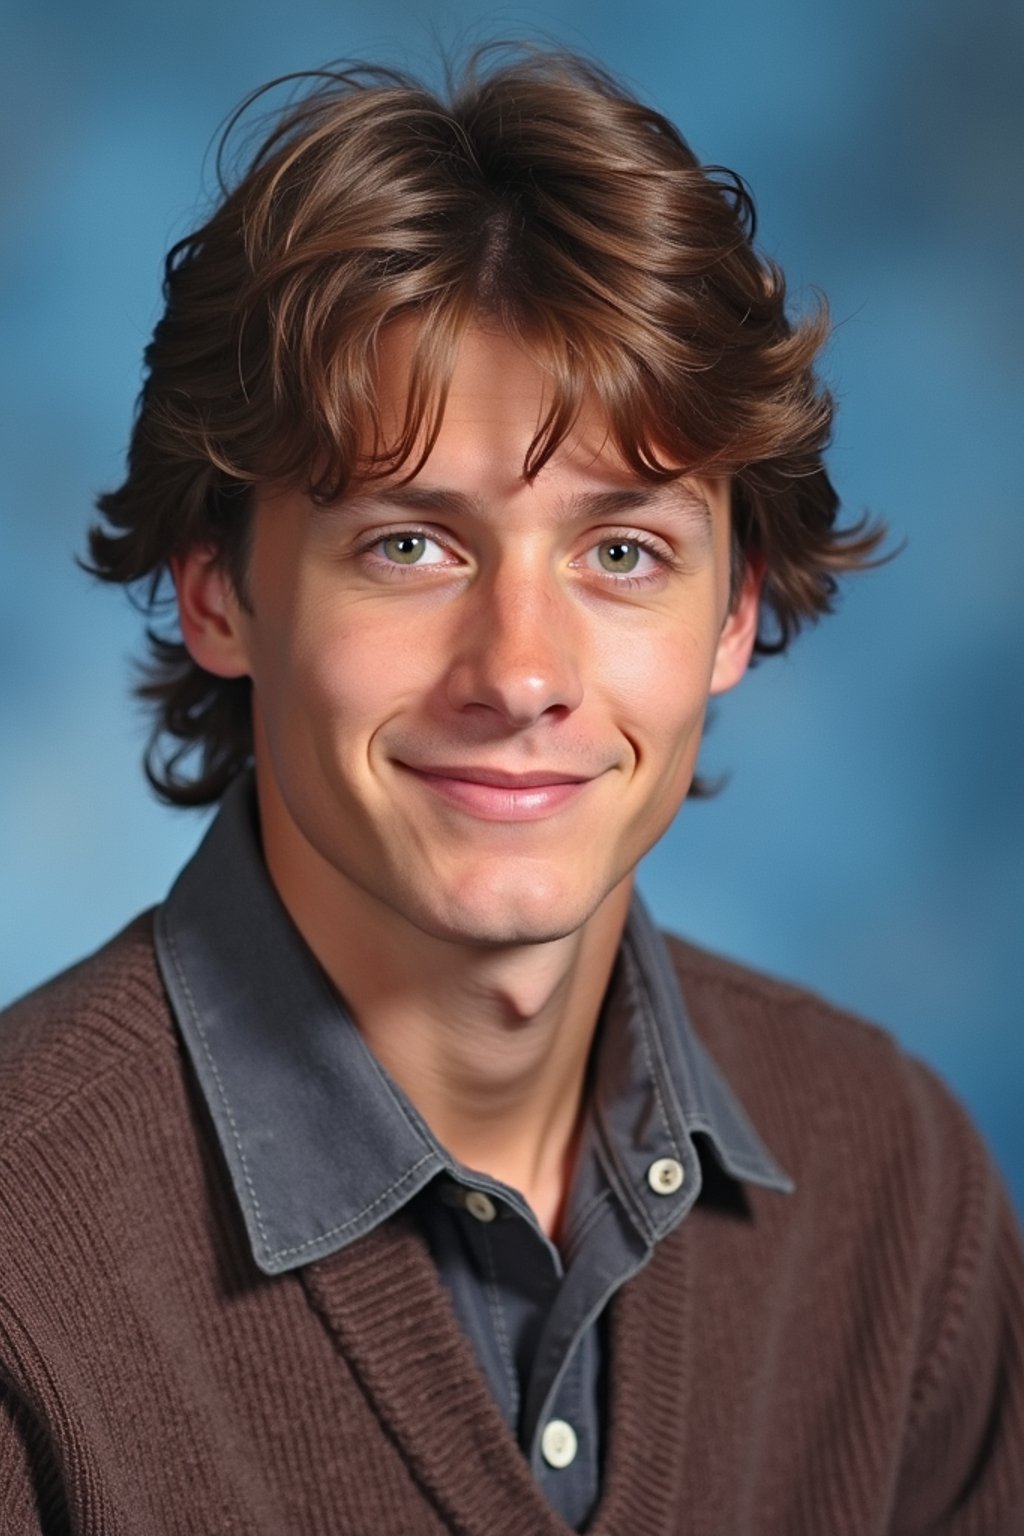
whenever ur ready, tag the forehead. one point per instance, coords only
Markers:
(488, 376)
(499, 396)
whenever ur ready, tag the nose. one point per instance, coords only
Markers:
(517, 650)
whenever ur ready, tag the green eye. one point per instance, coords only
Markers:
(404, 548)
(619, 556)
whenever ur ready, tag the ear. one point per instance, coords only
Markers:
(210, 613)
(736, 642)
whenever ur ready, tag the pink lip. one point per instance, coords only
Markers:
(496, 795)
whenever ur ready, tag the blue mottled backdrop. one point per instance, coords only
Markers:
(870, 839)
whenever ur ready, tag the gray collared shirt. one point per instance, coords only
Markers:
(322, 1145)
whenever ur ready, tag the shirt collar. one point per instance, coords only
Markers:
(320, 1143)
(656, 1088)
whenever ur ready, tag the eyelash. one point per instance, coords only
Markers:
(397, 572)
(391, 568)
(657, 552)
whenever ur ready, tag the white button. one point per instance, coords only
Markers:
(558, 1443)
(665, 1176)
(480, 1205)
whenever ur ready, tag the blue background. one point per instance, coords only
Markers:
(870, 840)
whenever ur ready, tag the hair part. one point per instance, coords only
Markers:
(538, 196)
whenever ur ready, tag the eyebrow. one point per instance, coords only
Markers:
(673, 497)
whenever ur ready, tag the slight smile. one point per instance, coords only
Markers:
(493, 794)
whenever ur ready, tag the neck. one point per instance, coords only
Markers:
(492, 1048)
(491, 1044)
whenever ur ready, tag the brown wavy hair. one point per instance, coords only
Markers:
(537, 194)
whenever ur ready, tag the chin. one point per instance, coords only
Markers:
(523, 911)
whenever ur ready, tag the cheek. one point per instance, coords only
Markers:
(658, 675)
(347, 668)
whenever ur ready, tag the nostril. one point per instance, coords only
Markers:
(519, 693)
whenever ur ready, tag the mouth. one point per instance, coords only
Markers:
(495, 794)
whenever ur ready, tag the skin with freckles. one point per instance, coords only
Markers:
(477, 704)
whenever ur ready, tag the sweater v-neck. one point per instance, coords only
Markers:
(384, 1305)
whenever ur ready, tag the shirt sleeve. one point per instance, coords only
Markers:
(963, 1469)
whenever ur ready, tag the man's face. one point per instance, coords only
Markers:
(478, 701)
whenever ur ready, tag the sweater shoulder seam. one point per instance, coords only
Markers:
(30, 1122)
(711, 972)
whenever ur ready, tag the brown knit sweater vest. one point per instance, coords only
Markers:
(849, 1359)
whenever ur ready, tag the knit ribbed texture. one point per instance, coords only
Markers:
(845, 1361)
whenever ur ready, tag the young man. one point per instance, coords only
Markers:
(396, 1175)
